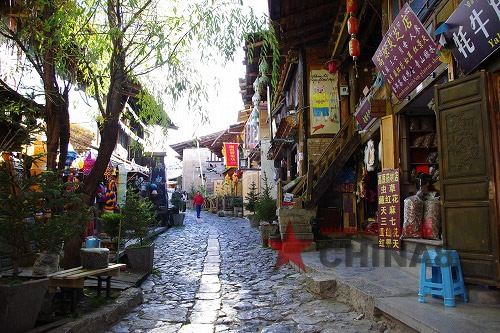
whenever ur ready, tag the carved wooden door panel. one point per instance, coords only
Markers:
(466, 177)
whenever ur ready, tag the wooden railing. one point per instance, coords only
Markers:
(321, 173)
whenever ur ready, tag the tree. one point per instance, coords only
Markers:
(252, 198)
(137, 39)
(116, 46)
(266, 206)
(41, 31)
(35, 208)
(137, 216)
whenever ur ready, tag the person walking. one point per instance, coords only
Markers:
(184, 199)
(198, 201)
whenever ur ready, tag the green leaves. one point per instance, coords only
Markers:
(38, 208)
(137, 216)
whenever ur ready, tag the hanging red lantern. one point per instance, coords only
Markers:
(352, 6)
(332, 67)
(354, 49)
(352, 26)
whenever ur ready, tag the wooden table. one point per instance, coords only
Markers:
(71, 280)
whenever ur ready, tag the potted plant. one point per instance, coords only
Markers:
(238, 206)
(266, 212)
(37, 210)
(228, 206)
(110, 224)
(137, 218)
(252, 198)
(177, 215)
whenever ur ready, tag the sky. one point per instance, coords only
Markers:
(223, 104)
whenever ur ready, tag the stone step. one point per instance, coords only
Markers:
(296, 212)
(298, 235)
(290, 247)
(407, 262)
(321, 285)
(297, 228)
(293, 221)
(332, 243)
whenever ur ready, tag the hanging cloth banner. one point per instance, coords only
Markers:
(232, 155)
(407, 54)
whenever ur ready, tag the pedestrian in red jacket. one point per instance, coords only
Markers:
(198, 201)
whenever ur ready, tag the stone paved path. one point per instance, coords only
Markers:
(216, 277)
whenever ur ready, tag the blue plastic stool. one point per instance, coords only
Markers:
(442, 283)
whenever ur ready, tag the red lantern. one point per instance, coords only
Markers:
(354, 49)
(352, 6)
(352, 25)
(332, 67)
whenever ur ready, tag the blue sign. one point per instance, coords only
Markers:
(422, 8)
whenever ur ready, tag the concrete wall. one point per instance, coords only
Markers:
(247, 179)
(267, 166)
(191, 169)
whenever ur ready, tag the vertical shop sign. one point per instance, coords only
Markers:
(407, 54)
(362, 114)
(232, 155)
(325, 102)
(474, 29)
(389, 207)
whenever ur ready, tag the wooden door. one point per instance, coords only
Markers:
(466, 177)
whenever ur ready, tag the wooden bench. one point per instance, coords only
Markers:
(71, 280)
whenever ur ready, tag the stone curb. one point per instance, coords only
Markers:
(326, 286)
(106, 316)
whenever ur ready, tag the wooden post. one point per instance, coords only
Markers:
(310, 174)
(288, 165)
(353, 89)
(302, 116)
(279, 193)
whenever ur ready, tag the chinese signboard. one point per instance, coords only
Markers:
(232, 155)
(474, 28)
(325, 103)
(406, 55)
(362, 114)
(389, 207)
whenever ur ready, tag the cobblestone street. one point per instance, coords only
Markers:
(216, 277)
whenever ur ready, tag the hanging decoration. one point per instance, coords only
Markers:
(353, 29)
(109, 173)
(110, 204)
(88, 164)
(332, 66)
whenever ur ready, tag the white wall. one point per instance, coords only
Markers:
(191, 167)
(267, 166)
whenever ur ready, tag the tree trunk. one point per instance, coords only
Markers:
(114, 106)
(53, 97)
(64, 129)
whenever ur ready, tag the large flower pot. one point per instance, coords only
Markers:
(141, 258)
(20, 305)
(254, 220)
(266, 229)
(178, 219)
